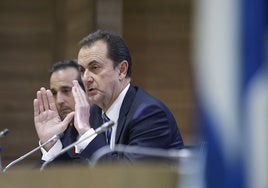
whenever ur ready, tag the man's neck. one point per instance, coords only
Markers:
(125, 84)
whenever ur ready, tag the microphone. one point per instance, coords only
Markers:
(99, 130)
(57, 136)
(3, 132)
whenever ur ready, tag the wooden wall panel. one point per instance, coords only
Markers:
(33, 35)
(25, 52)
(109, 15)
(159, 34)
(73, 20)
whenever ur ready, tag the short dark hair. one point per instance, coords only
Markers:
(116, 47)
(60, 65)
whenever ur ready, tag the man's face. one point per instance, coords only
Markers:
(61, 88)
(100, 78)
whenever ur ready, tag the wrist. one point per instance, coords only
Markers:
(83, 130)
(47, 146)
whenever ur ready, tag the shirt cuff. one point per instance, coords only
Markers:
(81, 146)
(55, 150)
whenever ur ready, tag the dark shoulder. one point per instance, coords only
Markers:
(143, 96)
(145, 105)
(139, 98)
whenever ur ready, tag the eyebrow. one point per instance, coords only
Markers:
(90, 63)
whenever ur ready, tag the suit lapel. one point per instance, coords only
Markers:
(127, 102)
(70, 136)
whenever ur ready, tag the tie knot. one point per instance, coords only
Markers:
(105, 118)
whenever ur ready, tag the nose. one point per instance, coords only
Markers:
(59, 98)
(87, 77)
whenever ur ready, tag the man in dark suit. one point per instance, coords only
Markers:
(140, 119)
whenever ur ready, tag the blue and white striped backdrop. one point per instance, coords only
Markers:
(231, 77)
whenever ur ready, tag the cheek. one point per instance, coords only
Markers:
(107, 86)
(71, 102)
(108, 80)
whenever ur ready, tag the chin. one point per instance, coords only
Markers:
(92, 100)
(96, 99)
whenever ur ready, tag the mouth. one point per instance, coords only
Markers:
(91, 91)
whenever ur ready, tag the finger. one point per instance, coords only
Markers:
(76, 95)
(80, 92)
(36, 107)
(40, 101)
(67, 120)
(51, 101)
(44, 98)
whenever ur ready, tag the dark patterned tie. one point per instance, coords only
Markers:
(108, 133)
(72, 137)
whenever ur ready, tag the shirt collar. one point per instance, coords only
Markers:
(113, 111)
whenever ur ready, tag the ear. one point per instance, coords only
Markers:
(122, 67)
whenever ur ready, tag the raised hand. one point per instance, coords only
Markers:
(82, 107)
(46, 117)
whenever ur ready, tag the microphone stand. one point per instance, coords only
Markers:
(2, 134)
(57, 136)
(99, 130)
(173, 154)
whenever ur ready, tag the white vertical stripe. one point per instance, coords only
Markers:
(216, 60)
(257, 135)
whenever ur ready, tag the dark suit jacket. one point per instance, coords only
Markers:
(143, 121)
